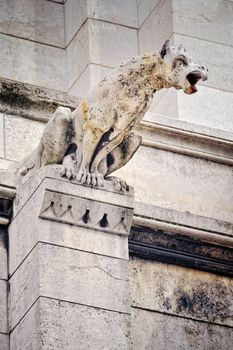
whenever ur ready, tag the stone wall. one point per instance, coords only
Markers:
(181, 241)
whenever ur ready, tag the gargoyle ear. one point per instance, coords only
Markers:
(165, 49)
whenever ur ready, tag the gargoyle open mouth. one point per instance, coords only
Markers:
(193, 78)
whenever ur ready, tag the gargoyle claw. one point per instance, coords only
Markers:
(68, 171)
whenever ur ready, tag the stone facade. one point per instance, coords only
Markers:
(180, 242)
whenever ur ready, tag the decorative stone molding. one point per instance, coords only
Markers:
(86, 213)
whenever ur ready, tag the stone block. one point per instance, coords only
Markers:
(33, 63)
(175, 181)
(3, 257)
(78, 54)
(210, 107)
(53, 324)
(181, 291)
(110, 44)
(211, 55)
(21, 136)
(88, 79)
(71, 275)
(3, 307)
(68, 230)
(145, 8)
(1, 135)
(209, 20)
(75, 15)
(40, 21)
(165, 103)
(151, 330)
(115, 11)
(4, 341)
(157, 28)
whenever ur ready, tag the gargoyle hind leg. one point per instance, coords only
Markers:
(118, 158)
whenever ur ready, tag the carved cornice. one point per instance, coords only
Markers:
(87, 213)
(190, 143)
(32, 102)
(160, 245)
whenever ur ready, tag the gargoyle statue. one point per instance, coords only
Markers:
(96, 138)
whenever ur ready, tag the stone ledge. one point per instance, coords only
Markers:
(31, 101)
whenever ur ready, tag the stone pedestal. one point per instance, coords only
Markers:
(69, 283)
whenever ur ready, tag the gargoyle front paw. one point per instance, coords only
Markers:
(119, 184)
(68, 171)
(92, 179)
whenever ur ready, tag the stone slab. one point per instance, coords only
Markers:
(3, 257)
(181, 291)
(109, 43)
(115, 11)
(1, 135)
(157, 28)
(209, 20)
(75, 15)
(21, 136)
(70, 275)
(92, 75)
(53, 324)
(77, 55)
(151, 330)
(211, 54)
(33, 63)
(4, 341)
(187, 184)
(145, 8)
(40, 21)
(3, 307)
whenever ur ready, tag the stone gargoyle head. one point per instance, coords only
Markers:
(182, 71)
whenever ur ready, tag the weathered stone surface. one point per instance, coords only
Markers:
(21, 136)
(99, 242)
(115, 11)
(3, 257)
(180, 291)
(75, 15)
(221, 76)
(151, 330)
(1, 136)
(33, 63)
(71, 275)
(92, 75)
(179, 182)
(204, 20)
(145, 8)
(53, 324)
(209, 107)
(216, 108)
(3, 307)
(157, 28)
(35, 20)
(4, 341)
(106, 51)
(77, 55)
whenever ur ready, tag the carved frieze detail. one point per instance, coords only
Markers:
(85, 212)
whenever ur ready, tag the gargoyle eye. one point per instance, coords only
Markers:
(180, 63)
